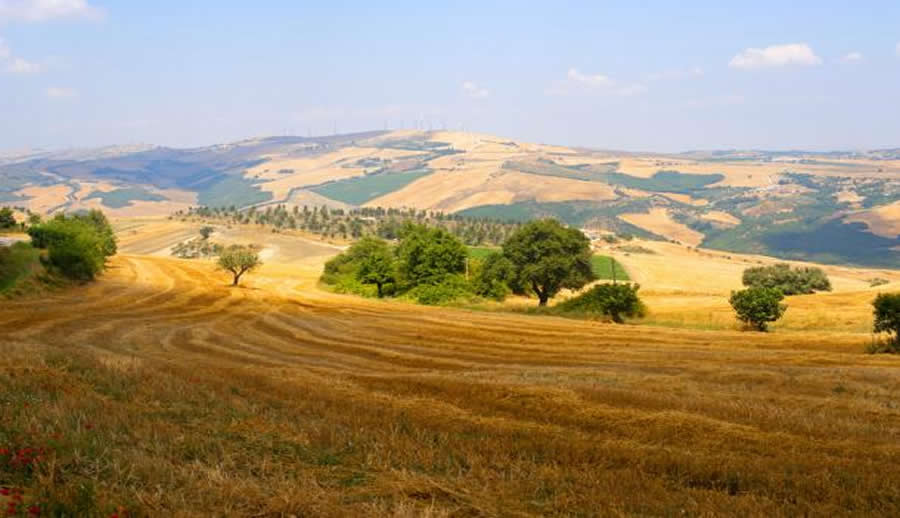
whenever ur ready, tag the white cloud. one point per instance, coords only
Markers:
(20, 66)
(42, 10)
(474, 91)
(776, 56)
(577, 81)
(55, 92)
(851, 57)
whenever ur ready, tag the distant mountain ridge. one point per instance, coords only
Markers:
(839, 207)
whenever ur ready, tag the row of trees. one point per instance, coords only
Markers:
(77, 245)
(432, 266)
(356, 223)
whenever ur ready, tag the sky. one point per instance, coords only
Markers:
(638, 76)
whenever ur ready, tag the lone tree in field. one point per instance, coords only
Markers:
(548, 257)
(205, 232)
(758, 306)
(887, 318)
(376, 263)
(238, 260)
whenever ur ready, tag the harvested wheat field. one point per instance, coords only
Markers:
(162, 391)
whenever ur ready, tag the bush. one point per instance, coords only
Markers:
(77, 245)
(7, 220)
(788, 281)
(758, 306)
(427, 255)
(616, 301)
(449, 289)
(493, 277)
(887, 319)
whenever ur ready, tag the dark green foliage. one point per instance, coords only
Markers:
(376, 263)
(493, 277)
(790, 281)
(665, 181)
(7, 220)
(77, 245)
(448, 289)
(548, 257)
(238, 260)
(757, 307)
(887, 319)
(427, 255)
(206, 231)
(616, 301)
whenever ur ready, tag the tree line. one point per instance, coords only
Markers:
(352, 224)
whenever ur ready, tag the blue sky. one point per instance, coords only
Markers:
(664, 76)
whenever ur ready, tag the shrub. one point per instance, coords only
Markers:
(493, 277)
(887, 319)
(758, 306)
(878, 281)
(77, 245)
(448, 289)
(616, 301)
(790, 281)
(7, 220)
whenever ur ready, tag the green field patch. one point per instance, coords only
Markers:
(665, 181)
(543, 167)
(361, 189)
(118, 198)
(480, 252)
(604, 267)
(233, 189)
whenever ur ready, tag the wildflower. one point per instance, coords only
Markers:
(34, 510)
(4, 491)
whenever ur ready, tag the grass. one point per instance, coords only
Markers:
(17, 262)
(357, 191)
(160, 391)
(604, 267)
(119, 198)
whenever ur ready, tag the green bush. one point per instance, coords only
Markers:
(7, 220)
(449, 289)
(616, 301)
(427, 255)
(757, 307)
(887, 320)
(77, 245)
(492, 277)
(790, 281)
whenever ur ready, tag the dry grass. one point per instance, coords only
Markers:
(161, 390)
(884, 220)
(660, 222)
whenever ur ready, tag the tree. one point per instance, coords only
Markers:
(205, 232)
(548, 257)
(238, 260)
(789, 281)
(494, 276)
(758, 306)
(887, 317)
(7, 220)
(613, 300)
(77, 245)
(376, 263)
(427, 255)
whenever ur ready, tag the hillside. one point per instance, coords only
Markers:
(165, 392)
(826, 207)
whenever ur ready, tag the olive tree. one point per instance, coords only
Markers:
(887, 318)
(238, 260)
(758, 306)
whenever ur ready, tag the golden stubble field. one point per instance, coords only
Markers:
(163, 391)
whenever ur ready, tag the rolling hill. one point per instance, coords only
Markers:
(827, 207)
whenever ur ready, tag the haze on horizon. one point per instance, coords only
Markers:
(661, 77)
